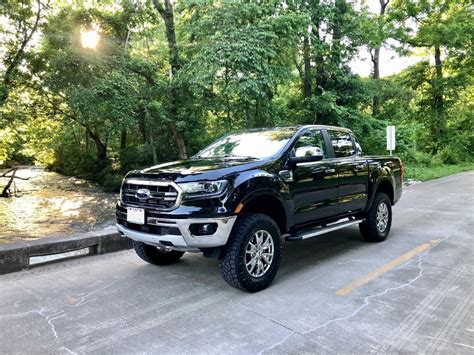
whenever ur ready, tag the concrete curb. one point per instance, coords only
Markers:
(16, 256)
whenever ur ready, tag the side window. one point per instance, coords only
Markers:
(310, 143)
(342, 144)
(358, 146)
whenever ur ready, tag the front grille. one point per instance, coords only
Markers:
(162, 194)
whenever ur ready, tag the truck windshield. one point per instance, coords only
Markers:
(250, 144)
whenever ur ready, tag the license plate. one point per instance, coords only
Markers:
(135, 215)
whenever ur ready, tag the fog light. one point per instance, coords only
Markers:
(199, 229)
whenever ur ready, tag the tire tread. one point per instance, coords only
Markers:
(152, 255)
(368, 228)
(228, 264)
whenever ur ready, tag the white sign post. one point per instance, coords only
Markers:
(390, 138)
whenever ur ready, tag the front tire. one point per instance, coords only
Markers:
(155, 256)
(378, 220)
(252, 255)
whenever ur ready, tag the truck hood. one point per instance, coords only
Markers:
(196, 169)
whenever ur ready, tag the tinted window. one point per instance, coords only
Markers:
(310, 143)
(342, 144)
(358, 147)
(255, 144)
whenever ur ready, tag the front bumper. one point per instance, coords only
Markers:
(184, 240)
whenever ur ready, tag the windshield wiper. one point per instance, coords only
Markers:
(226, 156)
(236, 156)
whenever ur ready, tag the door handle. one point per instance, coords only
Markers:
(330, 171)
(360, 167)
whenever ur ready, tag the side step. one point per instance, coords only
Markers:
(314, 232)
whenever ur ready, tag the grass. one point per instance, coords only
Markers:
(421, 172)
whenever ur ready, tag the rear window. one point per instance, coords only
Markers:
(342, 144)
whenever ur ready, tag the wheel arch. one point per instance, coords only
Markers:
(386, 186)
(266, 203)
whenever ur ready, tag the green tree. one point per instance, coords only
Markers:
(22, 20)
(330, 39)
(438, 26)
(240, 54)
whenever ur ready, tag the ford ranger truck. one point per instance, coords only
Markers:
(240, 197)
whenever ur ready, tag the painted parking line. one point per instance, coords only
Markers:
(387, 267)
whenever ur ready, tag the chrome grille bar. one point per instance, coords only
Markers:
(164, 195)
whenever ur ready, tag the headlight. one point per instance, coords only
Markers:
(203, 188)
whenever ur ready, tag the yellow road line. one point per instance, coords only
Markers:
(387, 267)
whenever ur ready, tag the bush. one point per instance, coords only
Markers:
(112, 182)
(110, 179)
(136, 157)
(449, 156)
(424, 173)
(420, 158)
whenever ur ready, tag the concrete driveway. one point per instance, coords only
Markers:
(333, 294)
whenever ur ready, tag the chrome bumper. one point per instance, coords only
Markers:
(186, 241)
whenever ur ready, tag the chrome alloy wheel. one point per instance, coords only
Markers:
(382, 217)
(259, 253)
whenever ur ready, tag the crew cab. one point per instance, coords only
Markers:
(240, 197)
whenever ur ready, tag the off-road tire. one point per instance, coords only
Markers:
(368, 228)
(155, 256)
(232, 261)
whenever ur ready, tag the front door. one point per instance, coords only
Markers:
(314, 187)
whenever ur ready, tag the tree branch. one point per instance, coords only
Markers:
(159, 7)
(8, 77)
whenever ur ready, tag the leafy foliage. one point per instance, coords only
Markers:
(158, 87)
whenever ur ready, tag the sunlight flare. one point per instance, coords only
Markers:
(90, 39)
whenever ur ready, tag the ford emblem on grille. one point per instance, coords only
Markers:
(143, 194)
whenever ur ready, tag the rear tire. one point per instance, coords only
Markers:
(252, 256)
(155, 256)
(378, 220)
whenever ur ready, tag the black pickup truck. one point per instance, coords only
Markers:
(237, 199)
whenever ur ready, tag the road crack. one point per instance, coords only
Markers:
(367, 299)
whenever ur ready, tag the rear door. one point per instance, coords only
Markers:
(352, 171)
(314, 186)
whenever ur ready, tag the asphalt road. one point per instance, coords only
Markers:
(333, 294)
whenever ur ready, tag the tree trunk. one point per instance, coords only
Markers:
(151, 139)
(123, 139)
(376, 62)
(173, 111)
(6, 190)
(100, 146)
(86, 134)
(376, 77)
(439, 124)
(306, 68)
(229, 118)
(153, 148)
(179, 141)
(227, 100)
(166, 12)
(142, 125)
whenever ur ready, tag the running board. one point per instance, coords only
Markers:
(314, 232)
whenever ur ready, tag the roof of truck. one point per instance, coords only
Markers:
(297, 128)
(325, 127)
(294, 129)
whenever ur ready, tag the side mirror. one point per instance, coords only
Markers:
(306, 155)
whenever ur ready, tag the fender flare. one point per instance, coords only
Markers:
(376, 185)
(254, 184)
